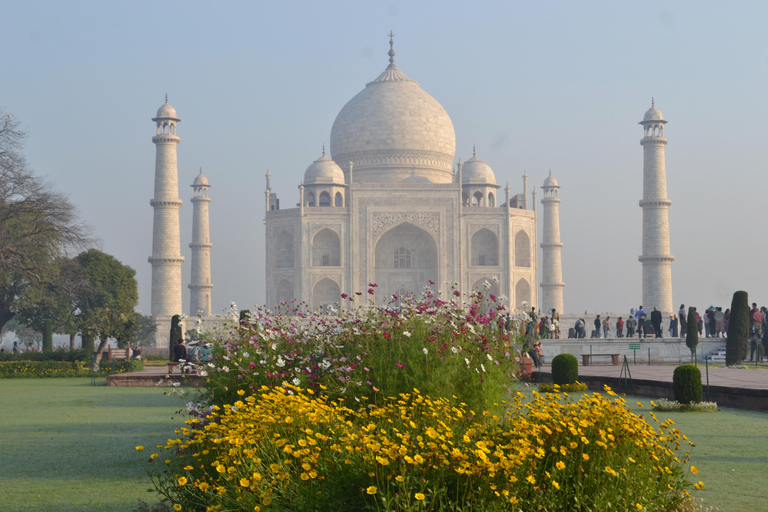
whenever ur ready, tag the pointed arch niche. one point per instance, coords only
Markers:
(485, 248)
(326, 249)
(522, 293)
(522, 249)
(325, 293)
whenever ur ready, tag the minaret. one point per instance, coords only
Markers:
(200, 283)
(166, 257)
(552, 270)
(656, 259)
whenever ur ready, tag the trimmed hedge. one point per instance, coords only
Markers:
(686, 384)
(31, 369)
(565, 369)
(738, 330)
(59, 354)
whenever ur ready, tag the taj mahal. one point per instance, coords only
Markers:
(390, 204)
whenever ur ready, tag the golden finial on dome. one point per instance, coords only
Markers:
(391, 47)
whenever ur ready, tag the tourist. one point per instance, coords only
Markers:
(641, 327)
(15, 347)
(727, 320)
(699, 322)
(656, 322)
(682, 315)
(719, 322)
(555, 324)
(619, 328)
(606, 327)
(598, 325)
(180, 351)
(711, 321)
(631, 325)
(673, 326)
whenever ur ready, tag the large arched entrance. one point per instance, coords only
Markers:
(405, 262)
(522, 294)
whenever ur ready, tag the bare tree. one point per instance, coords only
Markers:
(37, 225)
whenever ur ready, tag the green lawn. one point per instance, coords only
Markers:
(68, 446)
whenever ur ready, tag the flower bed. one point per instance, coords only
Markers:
(290, 449)
(30, 369)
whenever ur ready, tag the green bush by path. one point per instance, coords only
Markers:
(686, 384)
(565, 369)
(32, 369)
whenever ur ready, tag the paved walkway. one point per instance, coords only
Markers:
(745, 379)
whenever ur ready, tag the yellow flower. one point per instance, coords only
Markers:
(531, 479)
(555, 484)
(371, 490)
(694, 470)
(203, 486)
(639, 506)
(240, 392)
(139, 448)
(418, 459)
(399, 478)
(220, 468)
(419, 496)
(585, 456)
(244, 482)
(699, 485)
(513, 499)
(560, 465)
(304, 476)
(176, 507)
(383, 460)
(188, 468)
(182, 480)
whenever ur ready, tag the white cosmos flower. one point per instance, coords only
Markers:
(280, 362)
(274, 346)
(245, 354)
(225, 369)
(406, 334)
(467, 361)
(425, 351)
(483, 367)
(296, 381)
(489, 357)
(454, 350)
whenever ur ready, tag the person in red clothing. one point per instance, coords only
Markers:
(620, 328)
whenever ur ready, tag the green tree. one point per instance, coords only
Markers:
(691, 332)
(37, 225)
(112, 296)
(145, 332)
(28, 336)
(738, 329)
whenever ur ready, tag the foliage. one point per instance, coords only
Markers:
(686, 384)
(58, 354)
(576, 387)
(738, 329)
(113, 295)
(175, 334)
(37, 225)
(691, 331)
(292, 450)
(443, 347)
(28, 336)
(665, 405)
(145, 332)
(565, 369)
(48, 336)
(34, 369)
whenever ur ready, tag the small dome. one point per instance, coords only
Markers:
(653, 114)
(166, 111)
(477, 171)
(551, 182)
(200, 180)
(323, 170)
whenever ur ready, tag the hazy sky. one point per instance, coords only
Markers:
(536, 85)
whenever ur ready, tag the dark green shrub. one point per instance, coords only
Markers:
(49, 368)
(738, 330)
(692, 331)
(686, 384)
(176, 334)
(565, 369)
(48, 336)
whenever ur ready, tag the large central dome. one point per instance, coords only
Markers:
(394, 131)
